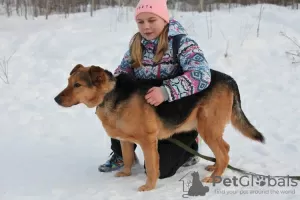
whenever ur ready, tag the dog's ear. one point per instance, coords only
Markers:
(78, 66)
(97, 74)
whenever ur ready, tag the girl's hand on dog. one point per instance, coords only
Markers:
(155, 96)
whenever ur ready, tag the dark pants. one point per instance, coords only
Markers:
(171, 156)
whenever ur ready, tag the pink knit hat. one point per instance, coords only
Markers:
(157, 7)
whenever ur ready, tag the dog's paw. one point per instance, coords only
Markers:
(122, 174)
(207, 180)
(145, 188)
(211, 180)
(210, 168)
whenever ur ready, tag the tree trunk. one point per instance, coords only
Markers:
(25, 8)
(7, 7)
(201, 5)
(47, 8)
(18, 5)
(92, 7)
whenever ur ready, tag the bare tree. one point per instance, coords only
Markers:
(245, 31)
(47, 8)
(92, 7)
(209, 25)
(66, 8)
(259, 19)
(25, 8)
(227, 44)
(201, 5)
(8, 4)
(295, 54)
(4, 69)
(34, 7)
(18, 5)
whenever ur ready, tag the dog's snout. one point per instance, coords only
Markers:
(58, 99)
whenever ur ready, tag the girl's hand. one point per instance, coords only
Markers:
(154, 96)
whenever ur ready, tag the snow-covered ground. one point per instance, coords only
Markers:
(50, 152)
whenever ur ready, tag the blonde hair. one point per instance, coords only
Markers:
(136, 51)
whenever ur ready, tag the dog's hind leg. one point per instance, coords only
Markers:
(149, 148)
(212, 119)
(211, 133)
(212, 168)
(224, 148)
(128, 158)
(219, 150)
(220, 165)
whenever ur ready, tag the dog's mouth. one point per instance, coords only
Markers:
(63, 103)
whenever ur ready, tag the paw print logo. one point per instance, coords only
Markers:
(260, 181)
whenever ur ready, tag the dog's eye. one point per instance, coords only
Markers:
(76, 85)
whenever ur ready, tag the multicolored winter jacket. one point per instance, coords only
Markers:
(192, 73)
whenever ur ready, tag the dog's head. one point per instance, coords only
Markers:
(87, 85)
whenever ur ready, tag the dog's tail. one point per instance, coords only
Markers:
(239, 119)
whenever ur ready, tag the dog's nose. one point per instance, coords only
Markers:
(58, 99)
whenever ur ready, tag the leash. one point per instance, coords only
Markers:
(192, 151)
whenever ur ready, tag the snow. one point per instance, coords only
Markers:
(50, 152)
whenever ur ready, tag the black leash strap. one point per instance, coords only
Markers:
(192, 151)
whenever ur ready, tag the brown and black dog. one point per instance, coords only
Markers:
(125, 115)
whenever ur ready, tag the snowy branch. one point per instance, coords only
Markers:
(227, 44)
(295, 54)
(259, 19)
(4, 69)
(245, 31)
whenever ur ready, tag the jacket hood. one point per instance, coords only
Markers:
(175, 28)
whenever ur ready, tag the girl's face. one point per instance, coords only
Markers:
(150, 25)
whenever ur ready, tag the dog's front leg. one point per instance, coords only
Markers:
(128, 158)
(149, 147)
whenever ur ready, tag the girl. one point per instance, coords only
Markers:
(150, 56)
